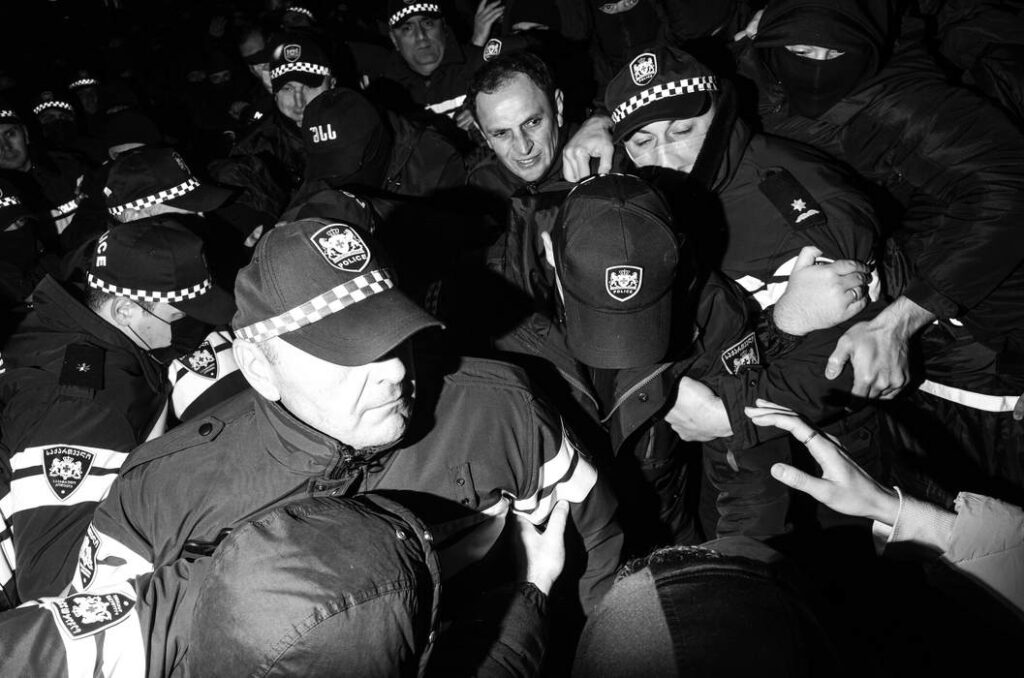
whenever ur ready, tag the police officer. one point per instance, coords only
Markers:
(322, 338)
(83, 386)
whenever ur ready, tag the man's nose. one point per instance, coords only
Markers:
(524, 144)
(390, 370)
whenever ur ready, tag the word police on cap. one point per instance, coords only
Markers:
(643, 68)
(342, 247)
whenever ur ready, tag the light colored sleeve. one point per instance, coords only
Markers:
(984, 539)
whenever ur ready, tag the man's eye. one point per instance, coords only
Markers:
(533, 122)
(500, 134)
(681, 131)
(640, 142)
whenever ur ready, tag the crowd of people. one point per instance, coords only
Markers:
(512, 338)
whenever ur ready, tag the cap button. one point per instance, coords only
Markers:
(400, 533)
(643, 396)
(206, 429)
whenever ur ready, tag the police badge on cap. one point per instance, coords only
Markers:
(492, 49)
(623, 282)
(292, 53)
(643, 68)
(342, 247)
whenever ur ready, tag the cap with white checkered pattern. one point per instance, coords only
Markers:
(301, 10)
(704, 83)
(52, 104)
(181, 189)
(83, 82)
(418, 8)
(300, 66)
(319, 307)
(168, 297)
(8, 113)
(9, 201)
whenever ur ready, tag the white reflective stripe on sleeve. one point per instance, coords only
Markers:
(124, 648)
(977, 401)
(115, 563)
(447, 107)
(7, 561)
(76, 474)
(160, 427)
(565, 476)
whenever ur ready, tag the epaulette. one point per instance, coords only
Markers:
(794, 202)
(182, 437)
(82, 373)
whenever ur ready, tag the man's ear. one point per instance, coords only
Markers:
(332, 82)
(256, 369)
(123, 311)
(559, 105)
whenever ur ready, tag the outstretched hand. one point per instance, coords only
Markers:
(843, 486)
(592, 140)
(542, 551)
(486, 14)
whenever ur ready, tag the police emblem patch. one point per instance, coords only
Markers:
(623, 282)
(292, 53)
(342, 247)
(741, 355)
(87, 557)
(643, 68)
(82, 614)
(492, 49)
(66, 468)
(202, 361)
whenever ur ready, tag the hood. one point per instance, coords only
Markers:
(862, 25)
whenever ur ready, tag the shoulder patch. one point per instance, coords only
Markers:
(741, 355)
(83, 614)
(83, 366)
(794, 202)
(66, 468)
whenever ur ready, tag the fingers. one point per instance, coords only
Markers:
(574, 167)
(1018, 409)
(807, 257)
(850, 267)
(798, 480)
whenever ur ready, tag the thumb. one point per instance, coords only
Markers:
(807, 257)
(558, 518)
(836, 361)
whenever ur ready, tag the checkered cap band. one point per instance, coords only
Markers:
(301, 10)
(186, 294)
(319, 307)
(302, 66)
(52, 104)
(705, 83)
(9, 201)
(83, 82)
(7, 113)
(181, 189)
(418, 8)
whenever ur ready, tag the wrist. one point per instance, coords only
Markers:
(903, 318)
(887, 506)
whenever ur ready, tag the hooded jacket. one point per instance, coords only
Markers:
(76, 396)
(952, 161)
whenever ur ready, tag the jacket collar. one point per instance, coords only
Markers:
(59, 310)
(295, 444)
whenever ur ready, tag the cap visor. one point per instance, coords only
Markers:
(216, 307)
(619, 341)
(307, 79)
(203, 198)
(363, 332)
(669, 108)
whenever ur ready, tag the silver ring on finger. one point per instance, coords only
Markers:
(809, 438)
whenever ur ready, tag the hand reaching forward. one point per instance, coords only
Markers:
(843, 486)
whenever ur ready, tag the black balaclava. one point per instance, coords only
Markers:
(816, 85)
(856, 28)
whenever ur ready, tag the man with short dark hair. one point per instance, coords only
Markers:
(83, 385)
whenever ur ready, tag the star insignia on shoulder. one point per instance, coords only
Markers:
(799, 205)
(83, 367)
